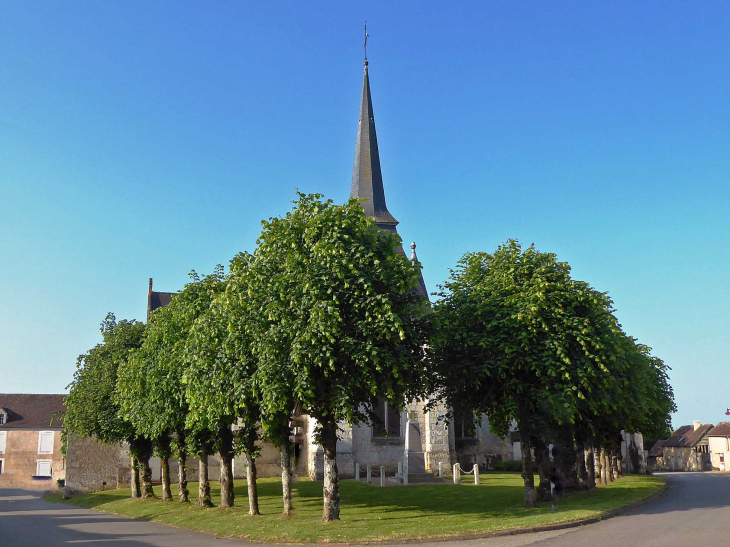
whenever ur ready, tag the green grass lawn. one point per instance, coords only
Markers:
(371, 513)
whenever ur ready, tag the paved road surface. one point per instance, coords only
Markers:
(695, 511)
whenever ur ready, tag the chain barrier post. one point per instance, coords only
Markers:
(369, 473)
(382, 475)
(457, 478)
(357, 471)
(441, 470)
(476, 474)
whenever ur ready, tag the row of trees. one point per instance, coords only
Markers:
(324, 315)
(517, 339)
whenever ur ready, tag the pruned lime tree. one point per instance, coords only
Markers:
(338, 323)
(92, 405)
(516, 338)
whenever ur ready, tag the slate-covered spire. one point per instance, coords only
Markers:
(367, 179)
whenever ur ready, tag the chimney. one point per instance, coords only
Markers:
(150, 291)
(697, 424)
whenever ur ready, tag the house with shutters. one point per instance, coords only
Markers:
(30, 441)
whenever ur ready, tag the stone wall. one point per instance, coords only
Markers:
(93, 466)
(21, 458)
(483, 449)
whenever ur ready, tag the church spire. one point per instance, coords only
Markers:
(367, 179)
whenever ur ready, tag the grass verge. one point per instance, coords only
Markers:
(370, 513)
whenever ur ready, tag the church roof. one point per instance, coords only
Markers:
(367, 178)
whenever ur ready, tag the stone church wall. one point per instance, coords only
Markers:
(483, 449)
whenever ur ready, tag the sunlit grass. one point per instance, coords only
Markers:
(371, 513)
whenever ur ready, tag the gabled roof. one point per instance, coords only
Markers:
(687, 436)
(720, 430)
(657, 449)
(157, 299)
(31, 411)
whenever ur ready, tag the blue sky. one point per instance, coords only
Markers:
(148, 139)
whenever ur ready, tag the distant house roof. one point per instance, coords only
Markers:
(31, 411)
(721, 430)
(657, 449)
(157, 299)
(687, 436)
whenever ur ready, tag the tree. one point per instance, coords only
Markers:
(516, 338)
(339, 325)
(92, 405)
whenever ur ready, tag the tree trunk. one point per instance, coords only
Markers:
(134, 479)
(582, 469)
(147, 491)
(590, 466)
(165, 476)
(566, 463)
(544, 468)
(203, 482)
(226, 454)
(331, 487)
(614, 466)
(253, 491)
(285, 449)
(528, 474)
(182, 478)
(605, 471)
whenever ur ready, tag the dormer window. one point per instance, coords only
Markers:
(3, 416)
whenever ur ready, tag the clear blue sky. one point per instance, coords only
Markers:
(147, 139)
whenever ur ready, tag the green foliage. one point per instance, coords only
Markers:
(93, 408)
(326, 315)
(513, 332)
(506, 465)
(151, 387)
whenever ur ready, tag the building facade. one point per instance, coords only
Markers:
(30, 441)
(719, 443)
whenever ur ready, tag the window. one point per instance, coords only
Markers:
(2, 418)
(43, 468)
(464, 426)
(45, 442)
(386, 420)
(3, 437)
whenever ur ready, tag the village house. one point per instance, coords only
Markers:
(655, 456)
(30, 441)
(719, 441)
(688, 449)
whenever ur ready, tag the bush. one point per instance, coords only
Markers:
(502, 465)
(60, 483)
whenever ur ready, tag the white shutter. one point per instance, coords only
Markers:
(43, 468)
(45, 442)
(3, 436)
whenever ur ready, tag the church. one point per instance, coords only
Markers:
(416, 439)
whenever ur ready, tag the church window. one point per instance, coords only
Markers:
(386, 420)
(464, 426)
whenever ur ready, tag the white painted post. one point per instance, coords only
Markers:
(369, 472)
(382, 475)
(357, 471)
(441, 470)
(476, 474)
(457, 476)
(400, 469)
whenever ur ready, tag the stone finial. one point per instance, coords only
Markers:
(414, 258)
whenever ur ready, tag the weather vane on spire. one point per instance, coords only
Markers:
(366, 42)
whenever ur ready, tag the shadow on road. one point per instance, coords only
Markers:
(690, 491)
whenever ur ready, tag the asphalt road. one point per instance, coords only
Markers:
(695, 511)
